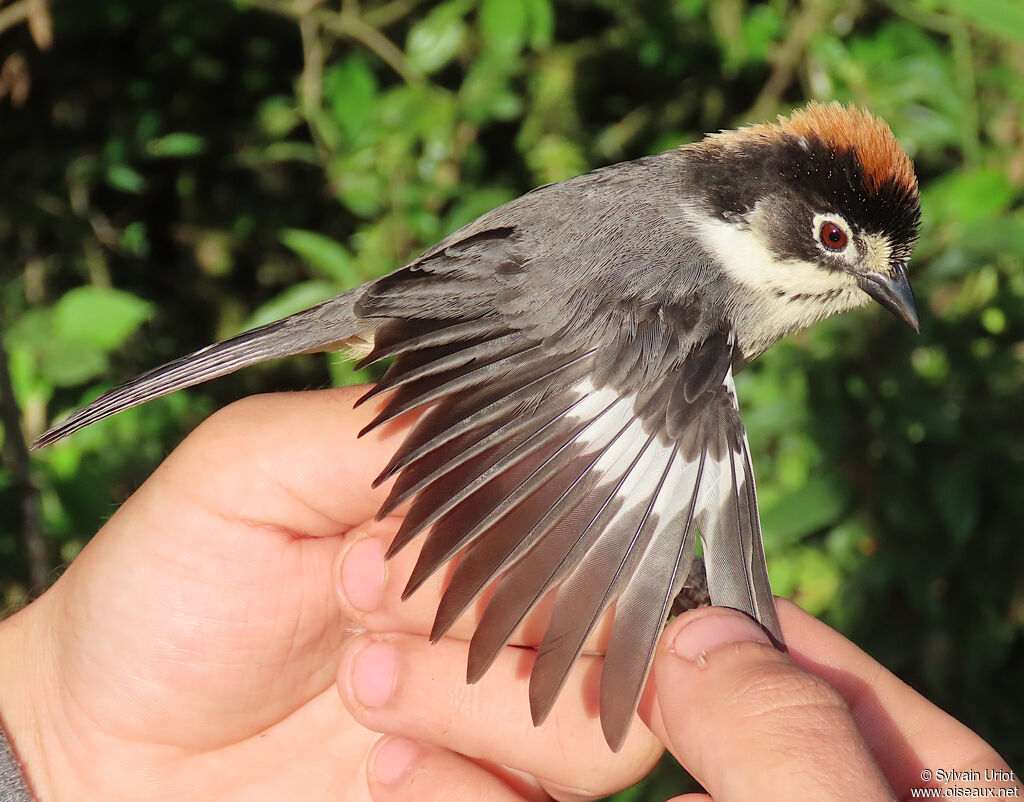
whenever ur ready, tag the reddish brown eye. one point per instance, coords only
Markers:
(832, 236)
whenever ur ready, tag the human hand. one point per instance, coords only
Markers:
(825, 721)
(191, 651)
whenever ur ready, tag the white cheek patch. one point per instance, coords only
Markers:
(748, 260)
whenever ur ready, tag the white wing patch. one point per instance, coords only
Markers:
(730, 527)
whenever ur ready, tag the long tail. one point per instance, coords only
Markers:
(323, 327)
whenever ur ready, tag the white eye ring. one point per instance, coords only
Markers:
(833, 235)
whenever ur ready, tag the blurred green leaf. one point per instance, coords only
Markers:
(73, 362)
(994, 320)
(99, 316)
(134, 239)
(540, 17)
(818, 580)
(810, 509)
(124, 178)
(967, 197)
(176, 145)
(1003, 18)
(350, 90)
(988, 236)
(278, 116)
(486, 94)
(762, 26)
(434, 41)
(43, 357)
(326, 256)
(503, 24)
(361, 192)
(290, 301)
(555, 158)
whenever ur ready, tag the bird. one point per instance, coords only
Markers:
(574, 352)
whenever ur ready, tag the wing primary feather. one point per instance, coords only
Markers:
(421, 474)
(497, 551)
(394, 338)
(509, 421)
(592, 587)
(415, 365)
(640, 615)
(542, 567)
(435, 387)
(468, 521)
(474, 410)
(489, 502)
(429, 507)
(720, 524)
(734, 554)
(764, 600)
(742, 536)
(495, 500)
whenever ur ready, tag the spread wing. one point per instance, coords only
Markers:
(584, 458)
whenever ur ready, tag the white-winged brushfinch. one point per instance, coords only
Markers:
(576, 350)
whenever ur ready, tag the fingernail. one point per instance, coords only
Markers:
(373, 674)
(699, 637)
(363, 574)
(394, 759)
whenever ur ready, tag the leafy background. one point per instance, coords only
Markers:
(173, 172)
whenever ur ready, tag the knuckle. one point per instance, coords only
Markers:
(584, 770)
(237, 417)
(464, 703)
(608, 777)
(780, 698)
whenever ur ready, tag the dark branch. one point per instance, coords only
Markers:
(33, 541)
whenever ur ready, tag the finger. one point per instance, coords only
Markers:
(402, 770)
(369, 591)
(747, 722)
(907, 734)
(401, 684)
(293, 461)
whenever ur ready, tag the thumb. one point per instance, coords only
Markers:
(748, 723)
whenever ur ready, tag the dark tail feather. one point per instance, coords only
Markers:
(318, 328)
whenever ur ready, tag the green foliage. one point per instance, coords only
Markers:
(223, 170)
(324, 255)
(69, 343)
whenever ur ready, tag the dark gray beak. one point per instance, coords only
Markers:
(894, 293)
